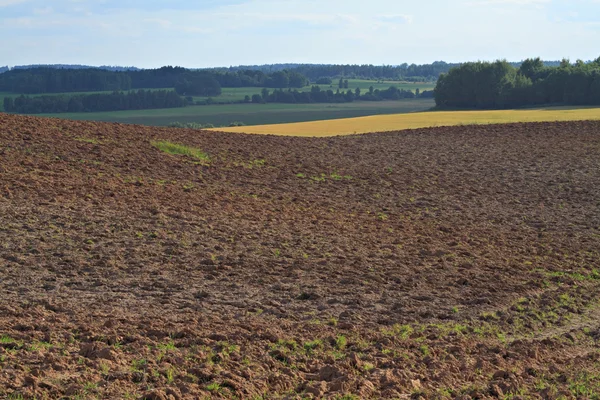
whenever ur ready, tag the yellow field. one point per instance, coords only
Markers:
(394, 122)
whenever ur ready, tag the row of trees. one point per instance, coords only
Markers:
(425, 72)
(116, 101)
(58, 80)
(501, 85)
(53, 80)
(317, 95)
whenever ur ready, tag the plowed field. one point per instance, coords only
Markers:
(458, 262)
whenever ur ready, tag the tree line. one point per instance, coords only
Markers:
(501, 85)
(116, 101)
(407, 72)
(317, 95)
(63, 80)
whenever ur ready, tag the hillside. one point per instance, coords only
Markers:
(455, 262)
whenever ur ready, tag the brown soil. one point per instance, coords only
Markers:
(436, 263)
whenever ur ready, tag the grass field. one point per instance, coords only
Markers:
(253, 114)
(238, 94)
(380, 123)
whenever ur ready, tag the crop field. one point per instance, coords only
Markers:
(442, 263)
(253, 114)
(238, 94)
(382, 123)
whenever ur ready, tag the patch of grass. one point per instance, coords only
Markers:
(402, 331)
(5, 339)
(347, 397)
(213, 387)
(180, 149)
(88, 140)
(341, 342)
(312, 345)
(39, 345)
(170, 375)
(139, 365)
(368, 366)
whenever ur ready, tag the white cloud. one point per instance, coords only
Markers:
(43, 11)
(6, 3)
(164, 23)
(265, 31)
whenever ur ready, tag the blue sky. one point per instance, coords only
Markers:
(204, 33)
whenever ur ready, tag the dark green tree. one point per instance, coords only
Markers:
(8, 104)
(531, 68)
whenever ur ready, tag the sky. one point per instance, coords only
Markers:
(211, 33)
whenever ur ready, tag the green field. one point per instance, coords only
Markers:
(238, 94)
(253, 114)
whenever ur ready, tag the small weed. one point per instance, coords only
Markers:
(402, 331)
(382, 216)
(139, 365)
(341, 342)
(335, 176)
(321, 178)
(170, 375)
(489, 316)
(347, 397)
(4, 339)
(213, 387)
(170, 346)
(89, 387)
(312, 345)
(104, 368)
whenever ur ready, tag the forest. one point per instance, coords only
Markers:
(486, 85)
(59, 80)
(116, 101)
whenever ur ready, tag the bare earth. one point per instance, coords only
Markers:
(435, 263)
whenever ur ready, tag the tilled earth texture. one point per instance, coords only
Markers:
(456, 262)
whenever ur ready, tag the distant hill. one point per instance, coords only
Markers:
(410, 72)
(70, 66)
